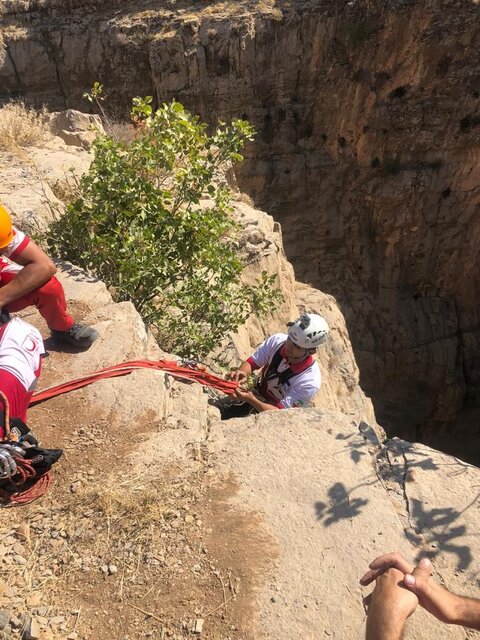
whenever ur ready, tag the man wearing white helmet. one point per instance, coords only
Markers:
(289, 375)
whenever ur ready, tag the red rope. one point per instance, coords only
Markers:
(124, 368)
(26, 470)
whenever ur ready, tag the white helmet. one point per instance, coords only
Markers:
(309, 331)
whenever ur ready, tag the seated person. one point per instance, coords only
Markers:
(290, 377)
(26, 278)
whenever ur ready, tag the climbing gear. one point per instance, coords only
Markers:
(6, 229)
(123, 369)
(8, 466)
(252, 381)
(271, 371)
(28, 477)
(79, 335)
(309, 331)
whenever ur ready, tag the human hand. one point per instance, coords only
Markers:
(243, 394)
(433, 597)
(238, 375)
(389, 606)
(383, 563)
(391, 595)
(8, 466)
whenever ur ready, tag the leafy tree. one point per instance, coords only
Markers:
(153, 221)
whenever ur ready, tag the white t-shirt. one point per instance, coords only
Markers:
(300, 389)
(21, 347)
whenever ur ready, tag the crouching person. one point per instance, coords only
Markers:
(290, 377)
(26, 278)
(22, 462)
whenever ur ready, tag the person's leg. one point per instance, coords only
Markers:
(49, 300)
(235, 410)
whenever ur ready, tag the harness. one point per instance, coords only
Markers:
(271, 371)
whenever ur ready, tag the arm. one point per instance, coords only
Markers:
(37, 270)
(444, 605)
(241, 375)
(468, 610)
(389, 606)
(248, 396)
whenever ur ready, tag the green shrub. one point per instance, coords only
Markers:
(138, 223)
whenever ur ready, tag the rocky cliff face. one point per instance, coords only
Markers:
(275, 515)
(368, 118)
(29, 186)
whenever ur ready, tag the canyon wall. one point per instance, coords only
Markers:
(368, 120)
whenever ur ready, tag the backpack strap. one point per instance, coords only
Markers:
(272, 370)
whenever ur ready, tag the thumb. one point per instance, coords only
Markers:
(421, 573)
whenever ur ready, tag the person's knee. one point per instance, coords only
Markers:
(52, 289)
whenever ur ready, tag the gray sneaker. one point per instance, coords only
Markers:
(80, 336)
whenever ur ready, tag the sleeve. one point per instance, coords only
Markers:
(18, 244)
(263, 353)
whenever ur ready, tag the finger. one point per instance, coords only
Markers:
(424, 568)
(414, 580)
(395, 560)
(384, 562)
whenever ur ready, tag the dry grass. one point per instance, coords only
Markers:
(21, 127)
(121, 131)
(107, 521)
(65, 189)
(110, 525)
(127, 512)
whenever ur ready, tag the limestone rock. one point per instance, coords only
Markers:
(76, 128)
(312, 474)
(317, 493)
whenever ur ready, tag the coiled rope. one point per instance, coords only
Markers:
(25, 469)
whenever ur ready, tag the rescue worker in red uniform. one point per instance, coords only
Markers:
(27, 278)
(21, 350)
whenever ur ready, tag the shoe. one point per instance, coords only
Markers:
(80, 336)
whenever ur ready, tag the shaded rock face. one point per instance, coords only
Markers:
(368, 119)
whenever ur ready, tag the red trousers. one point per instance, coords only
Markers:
(18, 397)
(49, 300)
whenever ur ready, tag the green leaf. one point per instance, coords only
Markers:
(136, 224)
